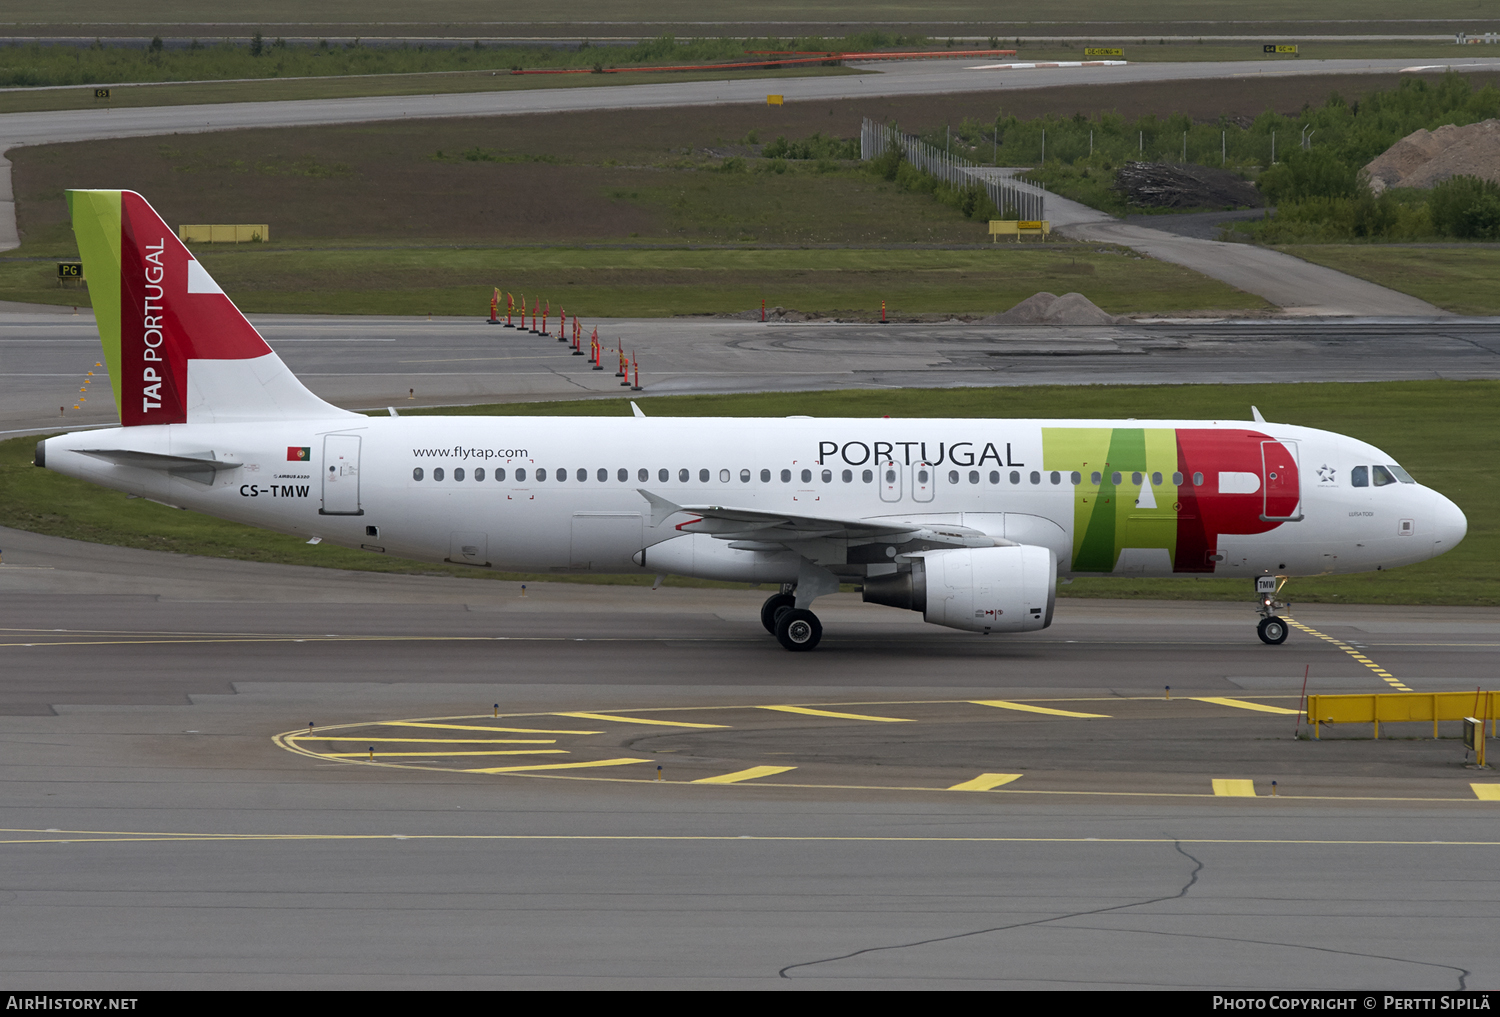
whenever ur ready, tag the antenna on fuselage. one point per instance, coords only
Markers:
(635, 409)
(1255, 413)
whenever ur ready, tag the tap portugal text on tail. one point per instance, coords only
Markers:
(970, 522)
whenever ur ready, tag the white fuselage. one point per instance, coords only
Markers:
(570, 499)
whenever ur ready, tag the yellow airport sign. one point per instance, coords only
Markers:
(775, 100)
(1102, 51)
(1269, 48)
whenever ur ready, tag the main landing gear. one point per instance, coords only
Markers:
(1272, 629)
(794, 628)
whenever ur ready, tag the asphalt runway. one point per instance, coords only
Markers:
(370, 363)
(158, 835)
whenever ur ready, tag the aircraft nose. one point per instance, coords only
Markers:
(1450, 525)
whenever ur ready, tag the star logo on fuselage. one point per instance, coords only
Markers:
(1326, 474)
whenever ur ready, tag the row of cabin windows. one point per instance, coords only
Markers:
(1362, 476)
(684, 476)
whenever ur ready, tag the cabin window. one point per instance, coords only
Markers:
(682, 476)
(521, 475)
(765, 476)
(1114, 478)
(702, 476)
(994, 476)
(623, 474)
(868, 477)
(641, 475)
(479, 473)
(744, 476)
(416, 474)
(1382, 476)
(562, 475)
(1036, 477)
(807, 476)
(583, 475)
(1176, 480)
(1056, 478)
(786, 476)
(973, 476)
(848, 476)
(604, 474)
(1095, 477)
(827, 476)
(1401, 474)
(890, 476)
(541, 474)
(458, 474)
(437, 474)
(723, 476)
(1135, 478)
(1076, 478)
(1015, 476)
(662, 476)
(1359, 476)
(1197, 480)
(1156, 480)
(500, 474)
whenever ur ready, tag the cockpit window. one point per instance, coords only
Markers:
(1382, 476)
(1359, 476)
(1401, 474)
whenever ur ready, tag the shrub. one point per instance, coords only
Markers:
(1466, 207)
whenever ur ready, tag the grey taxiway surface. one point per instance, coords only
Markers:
(372, 362)
(156, 836)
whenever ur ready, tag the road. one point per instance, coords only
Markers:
(160, 838)
(373, 362)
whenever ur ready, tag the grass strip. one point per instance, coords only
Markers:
(638, 283)
(1439, 430)
(1456, 277)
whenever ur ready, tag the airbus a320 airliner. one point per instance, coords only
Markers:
(970, 522)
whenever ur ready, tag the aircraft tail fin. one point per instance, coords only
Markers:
(177, 349)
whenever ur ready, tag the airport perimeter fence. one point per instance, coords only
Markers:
(876, 139)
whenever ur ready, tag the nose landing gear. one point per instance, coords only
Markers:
(1272, 629)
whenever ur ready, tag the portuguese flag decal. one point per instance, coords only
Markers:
(298, 453)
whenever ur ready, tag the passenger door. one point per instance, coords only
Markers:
(1280, 478)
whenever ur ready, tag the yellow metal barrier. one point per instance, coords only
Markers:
(253, 233)
(1401, 706)
(775, 100)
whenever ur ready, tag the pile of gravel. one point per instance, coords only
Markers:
(772, 314)
(1424, 157)
(1049, 309)
(1175, 185)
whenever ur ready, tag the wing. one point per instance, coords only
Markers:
(755, 530)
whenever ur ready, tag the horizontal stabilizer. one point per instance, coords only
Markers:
(198, 466)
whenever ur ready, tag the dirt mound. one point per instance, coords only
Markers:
(1173, 185)
(1048, 309)
(1424, 157)
(773, 314)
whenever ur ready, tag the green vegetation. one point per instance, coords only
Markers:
(1438, 429)
(32, 64)
(624, 282)
(1316, 186)
(595, 212)
(1456, 277)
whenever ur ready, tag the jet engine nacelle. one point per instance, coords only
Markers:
(978, 589)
